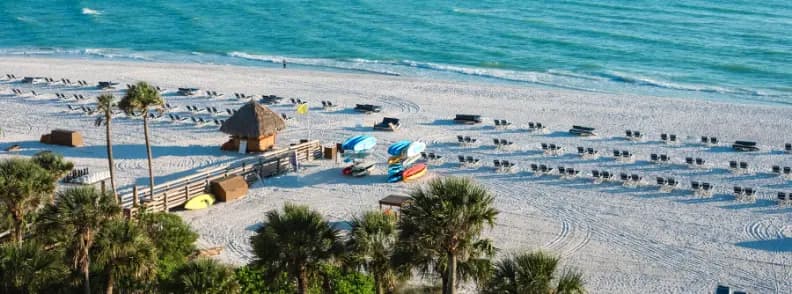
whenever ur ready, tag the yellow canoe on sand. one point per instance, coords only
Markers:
(200, 202)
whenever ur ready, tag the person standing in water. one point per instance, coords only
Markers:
(284, 63)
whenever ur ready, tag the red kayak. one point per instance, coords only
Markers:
(415, 169)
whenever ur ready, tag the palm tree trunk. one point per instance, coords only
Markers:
(19, 223)
(451, 273)
(148, 152)
(378, 286)
(86, 277)
(302, 281)
(110, 281)
(108, 118)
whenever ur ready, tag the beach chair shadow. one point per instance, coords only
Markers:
(774, 245)
(757, 204)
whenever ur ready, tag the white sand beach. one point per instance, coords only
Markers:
(624, 240)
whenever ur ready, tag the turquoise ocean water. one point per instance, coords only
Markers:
(729, 49)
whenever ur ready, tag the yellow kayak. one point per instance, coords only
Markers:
(200, 202)
(395, 159)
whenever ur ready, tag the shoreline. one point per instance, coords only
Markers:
(240, 59)
(624, 240)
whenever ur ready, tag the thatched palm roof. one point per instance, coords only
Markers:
(253, 120)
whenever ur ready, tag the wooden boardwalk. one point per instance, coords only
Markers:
(176, 192)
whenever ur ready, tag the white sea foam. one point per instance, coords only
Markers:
(88, 11)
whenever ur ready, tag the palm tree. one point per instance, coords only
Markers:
(296, 242)
(533, 273)
(441, 227)
(78, 215)
(105, 104)
(54, 163)
(27, 268)
(23, 186)
(139, 101)
(372, 244)
(125, 253)
(202, 276)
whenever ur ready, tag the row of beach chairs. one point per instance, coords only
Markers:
(623, 156)
(695, 162)
(431, 157)
(659, 158)
(214, 94)
(504, 166)
(552, 149)
(744, 194)
(537, 127)
(502, 123)
(703, 189)
(466, 140)
(468, 161)
(633, 135)
(667, 184)
(669, 138)
(785, 171)
(242, 96)
(326, 105)
(784, 198)
(739, 167)
(297, 101)
(587, 152)
(502, 143)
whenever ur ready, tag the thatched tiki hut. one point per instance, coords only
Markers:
(252, 125)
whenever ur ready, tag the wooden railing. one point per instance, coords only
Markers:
(176, 192)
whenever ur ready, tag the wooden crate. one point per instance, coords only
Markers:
(230, 188)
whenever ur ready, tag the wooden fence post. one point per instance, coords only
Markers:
(165, 200)
(135, 200)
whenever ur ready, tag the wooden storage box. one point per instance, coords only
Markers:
(66, 138)
(229, 189)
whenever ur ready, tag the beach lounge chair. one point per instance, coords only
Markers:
(497, 123)
(471, 161)
(496, 142)
(745, 146)
(664, 158)
(721, 289)
(744, 165)
(787, 171)
(607, 176)
(776, 169)
(467, 119)
(462, 160)
(534, 167)
(749, 195)
(700, 162)
(365, 108)
(581, 150)
(781, 197)
(788, 147)
(624, 177)
(285, 117)
(582, 131)
(460, 139)
(388, 124)
(654, 158)
(545, 147)
(661, 181)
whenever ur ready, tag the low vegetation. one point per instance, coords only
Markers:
(77, 240)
